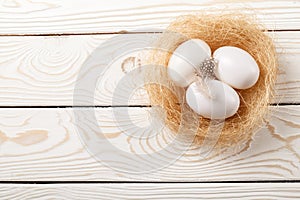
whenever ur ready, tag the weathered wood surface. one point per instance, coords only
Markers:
(44, 144)
(73, 17)
(43, 46)
(153, 191)
(42, 71)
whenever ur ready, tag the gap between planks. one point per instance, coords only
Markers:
(119, 106)
(111, 33)
(144, 182)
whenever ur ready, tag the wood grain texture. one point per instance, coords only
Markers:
(152, 191)
(58, 17)
(44, 144)
(42, 71)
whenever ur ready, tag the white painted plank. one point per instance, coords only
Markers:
(42, 71)
(152, 191)
(67, 16)
(44, 144)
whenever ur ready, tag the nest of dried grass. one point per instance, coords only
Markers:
(217, 30)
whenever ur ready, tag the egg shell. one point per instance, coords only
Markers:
(184, 60)
(217, 101)
(236, 67)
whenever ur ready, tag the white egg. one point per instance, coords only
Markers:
(184, 60)
(236, 67)
(217, 101)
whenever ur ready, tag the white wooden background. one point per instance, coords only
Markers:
(43, 44)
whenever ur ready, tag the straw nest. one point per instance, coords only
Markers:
(217, 30)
